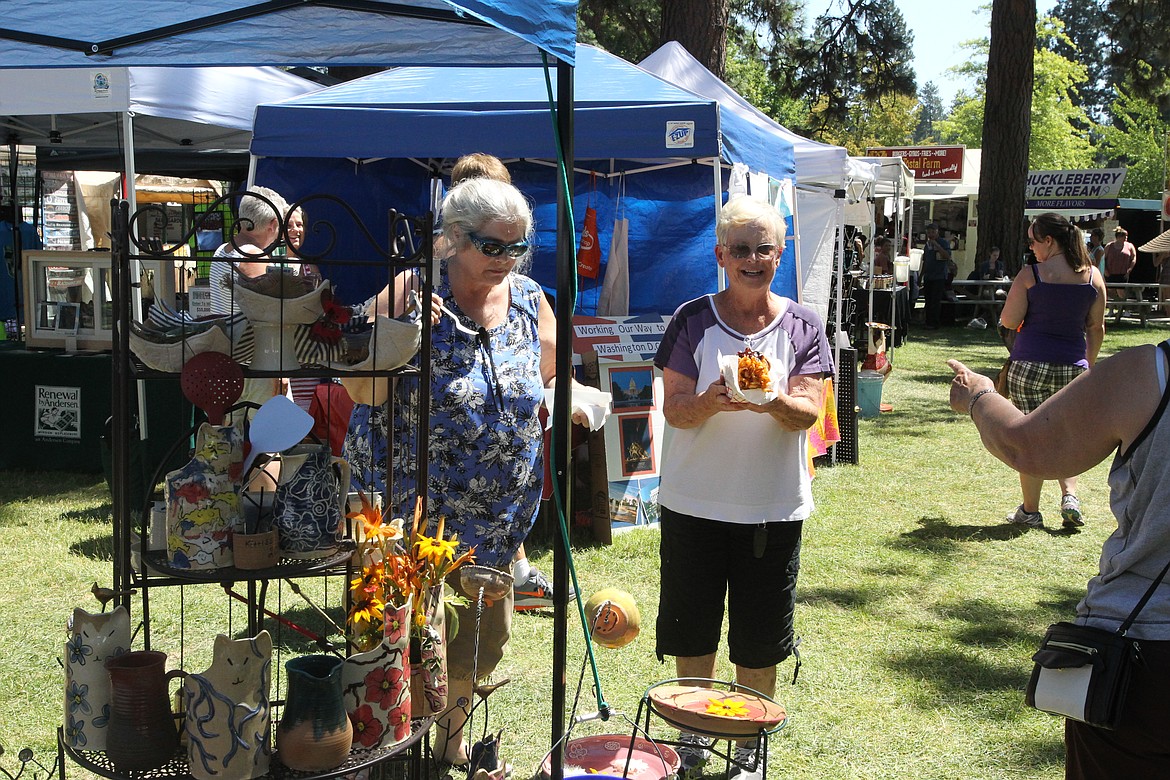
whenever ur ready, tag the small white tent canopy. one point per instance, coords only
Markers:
(817, 214)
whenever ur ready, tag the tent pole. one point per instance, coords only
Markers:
(562, 407)
(840, 300)
(718, 170)
(136, 266)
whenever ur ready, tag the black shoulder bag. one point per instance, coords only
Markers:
(1083, 672)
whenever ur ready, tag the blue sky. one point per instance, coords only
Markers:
(940, 29)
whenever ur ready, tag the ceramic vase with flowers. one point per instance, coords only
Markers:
(93, 638)
(398, 571)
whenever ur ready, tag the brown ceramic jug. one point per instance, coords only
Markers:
(142, 733)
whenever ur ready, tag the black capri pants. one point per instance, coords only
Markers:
(705, 561)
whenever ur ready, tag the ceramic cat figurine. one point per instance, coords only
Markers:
(227, 723)
(93, 637)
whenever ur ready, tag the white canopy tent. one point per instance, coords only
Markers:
(816, 214)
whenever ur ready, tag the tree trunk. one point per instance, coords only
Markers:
(701, 27)
(1007, 127)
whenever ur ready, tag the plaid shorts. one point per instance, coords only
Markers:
(1031, 383)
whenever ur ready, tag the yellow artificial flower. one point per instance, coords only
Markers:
(726, 708)
(435, 550)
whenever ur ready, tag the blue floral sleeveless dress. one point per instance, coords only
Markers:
(486, 466)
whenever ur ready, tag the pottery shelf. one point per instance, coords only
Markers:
(288, 567)
(407, 751)
(139, 576)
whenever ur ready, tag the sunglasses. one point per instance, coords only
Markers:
(490, 248)
(743, 251)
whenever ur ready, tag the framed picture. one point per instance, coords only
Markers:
(47, 316)
(637, 445)
(632, 387)
(68, 318)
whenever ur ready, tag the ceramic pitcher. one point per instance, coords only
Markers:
(227, 711)
(310, 501)
(142, 734)
(203, 500)
(314, 734)
(93, 637)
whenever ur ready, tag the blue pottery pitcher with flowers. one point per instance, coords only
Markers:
(310, 501)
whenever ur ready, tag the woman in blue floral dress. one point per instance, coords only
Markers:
(490, 363)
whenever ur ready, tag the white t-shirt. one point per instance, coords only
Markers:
(739, 467)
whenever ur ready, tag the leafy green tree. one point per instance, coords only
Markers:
(1137, 140)
(1057, 138)
(1087, 41)
(931, 111)
(889, 121)
(1141, 53)
(862, 54)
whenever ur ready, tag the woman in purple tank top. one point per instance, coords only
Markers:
(1058, 308)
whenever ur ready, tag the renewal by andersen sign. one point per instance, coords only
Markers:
(1091, 189)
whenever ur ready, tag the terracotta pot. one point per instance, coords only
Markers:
(314, 734)
(142, 733)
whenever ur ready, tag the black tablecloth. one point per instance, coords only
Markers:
(56, 405)
(883, 300)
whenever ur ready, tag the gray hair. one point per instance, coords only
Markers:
(746, 210)
(473, 203)
(255, 213)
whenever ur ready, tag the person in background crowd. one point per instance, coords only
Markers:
(735, 487)
(1097, 249)
(882, 262)
(936, 260)
(1074, 430)
(990, 267)
(1120, 258)
(1058, 307)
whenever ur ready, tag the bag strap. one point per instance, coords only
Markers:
(1124, 627)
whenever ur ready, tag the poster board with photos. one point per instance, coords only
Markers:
(617, 354)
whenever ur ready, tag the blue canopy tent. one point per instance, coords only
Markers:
(387, 135)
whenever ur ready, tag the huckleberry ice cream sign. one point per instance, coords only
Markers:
(58, 412)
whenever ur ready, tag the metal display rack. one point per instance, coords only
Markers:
(136, 579)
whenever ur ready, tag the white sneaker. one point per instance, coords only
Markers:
(693, 754)
(1030, 519)
(745, 756)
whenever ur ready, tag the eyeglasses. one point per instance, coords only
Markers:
(743, 251)
(1034, 241)
(490, 248)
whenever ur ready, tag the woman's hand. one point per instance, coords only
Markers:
(965, 385)
(436, 312)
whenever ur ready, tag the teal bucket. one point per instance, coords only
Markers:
(869, 393)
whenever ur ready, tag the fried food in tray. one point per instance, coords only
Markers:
(753, 371)
(748, 378)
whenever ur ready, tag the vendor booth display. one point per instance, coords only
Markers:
(384, 138)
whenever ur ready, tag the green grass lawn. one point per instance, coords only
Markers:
(918, 606)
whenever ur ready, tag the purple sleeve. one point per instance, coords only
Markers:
(811, 351)
(677, 349)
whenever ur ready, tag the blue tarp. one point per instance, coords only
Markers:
(102, 33)
(352, 140)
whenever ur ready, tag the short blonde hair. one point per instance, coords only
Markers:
(746, 210)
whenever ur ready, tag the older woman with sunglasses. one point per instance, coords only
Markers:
(493, 353)
(1057, 306)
